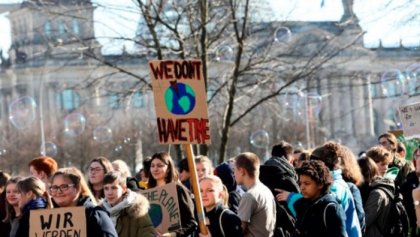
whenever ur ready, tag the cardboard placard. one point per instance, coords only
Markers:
(63, 222)
(410, 119)
(164, 208)
(180, 101)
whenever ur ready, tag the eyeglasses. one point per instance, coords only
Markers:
(95, 169)
(62, 188)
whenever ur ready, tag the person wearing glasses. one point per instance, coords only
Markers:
(33, 195)
(390, 142)
(69, 189)
(163, 171)
(98, 167)
(128, 210)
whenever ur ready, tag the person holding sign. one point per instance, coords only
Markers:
(163, 171)
(221, 221)
(33, 195)
(69, 189)
(128, 210)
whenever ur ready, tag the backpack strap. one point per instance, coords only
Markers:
(220, 222)
(325, 213)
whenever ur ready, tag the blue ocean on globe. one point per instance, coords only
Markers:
(156, 215)
(180, 98)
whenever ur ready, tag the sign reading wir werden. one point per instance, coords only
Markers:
(180, 101)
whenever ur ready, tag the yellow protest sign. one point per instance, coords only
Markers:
(63, 222)
(180, 101)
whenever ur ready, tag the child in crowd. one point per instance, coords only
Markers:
(220, 220)
(318, 213)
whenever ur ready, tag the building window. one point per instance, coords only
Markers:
(76, 27)
(47, 28)
(138, 100)
(114, 101)
(68, 100)
(61, 27)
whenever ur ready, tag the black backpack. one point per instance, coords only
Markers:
(397, 224)
(281, 176)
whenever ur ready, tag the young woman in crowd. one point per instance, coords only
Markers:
(220, 220)
(163, 171)
(378, 203)
(4, 226)
(12, 206)
(43, 167)
(128, 210)
(318, 213)
(69, 189)
(33, 195)
(98, 167)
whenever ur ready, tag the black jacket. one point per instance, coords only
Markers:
(310, 217)
(98, 222)
(231, 223)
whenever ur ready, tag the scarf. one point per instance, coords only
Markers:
(38, 203)
(114, 211)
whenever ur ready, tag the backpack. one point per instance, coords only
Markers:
(397, 224)
(280, 174)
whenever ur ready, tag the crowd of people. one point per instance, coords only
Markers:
(327, 191)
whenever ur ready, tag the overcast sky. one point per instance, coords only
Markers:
(388, 22)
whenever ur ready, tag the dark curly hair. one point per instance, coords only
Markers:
(318, 172)
(327, 153)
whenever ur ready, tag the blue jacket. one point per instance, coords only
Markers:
(321, 217)
(344, 197)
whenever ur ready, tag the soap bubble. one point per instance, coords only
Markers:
(74, 124)
(392, 83)
(102, 134)
(412, 76)
(50, 149)
(259, 139)
(131, 141)
(282, 35)
(3, 152)
(22, 112)
(224, 53)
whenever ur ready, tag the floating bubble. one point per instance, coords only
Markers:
(22, 112)
(50, 149)
(259, 139)
(392, 83)
(282, 35)
(224, 53)
(314, 104)
(118, 149)
(74, 124)
(3, 152)
(102, 134)
(131, 141)
(293, 103)
(412, 76)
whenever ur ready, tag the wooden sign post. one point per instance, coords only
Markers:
(181, 110)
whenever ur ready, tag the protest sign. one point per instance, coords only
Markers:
(410, 119)
(180, 101)
(164, 208)
(58, 222)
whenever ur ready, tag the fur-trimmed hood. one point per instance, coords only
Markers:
(139, 207)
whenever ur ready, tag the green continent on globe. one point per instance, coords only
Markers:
(169, 95)
(185, 104)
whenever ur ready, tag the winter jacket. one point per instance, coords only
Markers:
(378, 206)
(404, 168)
(341, 190)
(131, 216)
(231, 224)
(321, 217)
(358, 204)
(23, 226)
(225, 173)
(186, 207)
(406, 191)
(98, 222)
